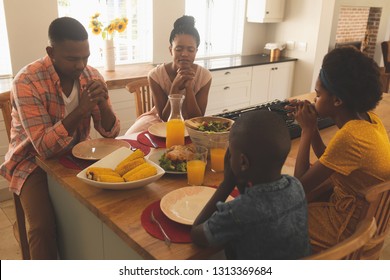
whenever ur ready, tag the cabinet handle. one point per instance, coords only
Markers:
(276, 68)
(267, 12)
(227, 73)
(226, 88)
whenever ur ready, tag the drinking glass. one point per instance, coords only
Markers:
(196, 166)
(218, 149)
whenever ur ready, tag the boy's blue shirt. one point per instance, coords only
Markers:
(268, 221)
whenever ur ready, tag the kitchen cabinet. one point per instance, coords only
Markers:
(271, 81)
(230, 89)
(265, 10)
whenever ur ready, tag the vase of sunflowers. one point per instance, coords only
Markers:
(107, 32)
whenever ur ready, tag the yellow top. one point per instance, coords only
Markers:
(359, 154)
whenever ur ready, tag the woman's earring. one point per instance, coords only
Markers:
(53, 60)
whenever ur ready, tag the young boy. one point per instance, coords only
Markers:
(268, 220)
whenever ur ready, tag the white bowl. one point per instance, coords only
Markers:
(111, 161)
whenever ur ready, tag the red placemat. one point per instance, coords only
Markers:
(138, 145)
(178, 233)
(160, 141)
(71, 162)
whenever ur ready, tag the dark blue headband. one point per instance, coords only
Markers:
(328, 85)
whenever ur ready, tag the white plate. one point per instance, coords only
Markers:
(184, 205)
(112, 161)
(96, 149)
(156, 154)
(160, 130)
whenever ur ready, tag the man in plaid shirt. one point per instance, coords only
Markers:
(53, 100)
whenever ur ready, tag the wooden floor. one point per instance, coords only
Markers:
(9, 248)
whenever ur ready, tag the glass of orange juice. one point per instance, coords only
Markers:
(196, 166)
(217, 153)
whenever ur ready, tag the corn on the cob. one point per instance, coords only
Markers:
(127, 165)
(146, 171)
(109, 179)
(134, 155)
(93, 172)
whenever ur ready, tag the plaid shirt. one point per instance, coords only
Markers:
(37, 113)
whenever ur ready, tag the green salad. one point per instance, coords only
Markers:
(169, 165)
(213, 126)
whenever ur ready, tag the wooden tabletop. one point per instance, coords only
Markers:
(121, 210)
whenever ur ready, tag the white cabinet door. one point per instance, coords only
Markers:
(230, 89)
(265, 10)
(229, 97)
(260, 84)
(271, 81)
(280, 82)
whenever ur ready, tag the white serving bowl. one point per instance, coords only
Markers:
(111, 161)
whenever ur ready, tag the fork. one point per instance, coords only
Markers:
(151, 140)
(167, 240)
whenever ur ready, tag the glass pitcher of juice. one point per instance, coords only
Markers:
(175, 124)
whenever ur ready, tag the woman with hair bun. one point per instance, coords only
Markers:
(356, 158)
(179, 76)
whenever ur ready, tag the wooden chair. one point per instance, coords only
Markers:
(5, 105)
(386, 61)
(142, 94)
(378, 198)
(350, 248)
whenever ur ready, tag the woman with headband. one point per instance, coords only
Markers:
(357, 157)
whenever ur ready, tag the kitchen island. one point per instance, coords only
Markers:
(105, 224)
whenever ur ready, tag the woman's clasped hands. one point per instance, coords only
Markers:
(184, 79)
(303, 112)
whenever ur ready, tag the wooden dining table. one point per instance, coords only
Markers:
(94, 223)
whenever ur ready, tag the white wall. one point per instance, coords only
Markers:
(163, 25)
(27, 25)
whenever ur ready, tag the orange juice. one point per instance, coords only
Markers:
(175, 133)
(195, 172)
(217, 156)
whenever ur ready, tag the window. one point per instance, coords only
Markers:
(134, 45)
(5, 65)
(220, 24)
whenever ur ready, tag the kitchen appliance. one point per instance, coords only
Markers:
(277, 106)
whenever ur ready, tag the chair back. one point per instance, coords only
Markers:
(5, 105)
(142, 94)
(350, 248)
(386, 55)
(378, 198)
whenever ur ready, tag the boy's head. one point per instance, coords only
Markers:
(259, 143)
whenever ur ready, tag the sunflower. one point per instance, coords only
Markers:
(121, 26)
(108, 31)
(96, 30)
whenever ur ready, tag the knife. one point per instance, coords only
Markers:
(151, 140)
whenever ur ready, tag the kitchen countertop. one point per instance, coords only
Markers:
(240, 61)
(120, 77)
